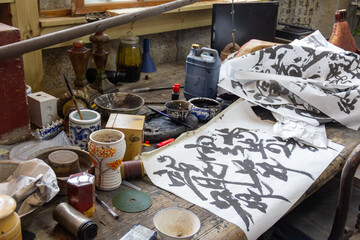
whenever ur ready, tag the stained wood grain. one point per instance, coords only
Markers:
(213, 227)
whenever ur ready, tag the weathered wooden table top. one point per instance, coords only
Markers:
(213, 227)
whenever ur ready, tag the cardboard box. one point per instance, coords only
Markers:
(132, 126)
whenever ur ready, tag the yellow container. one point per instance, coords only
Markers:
(10, 227)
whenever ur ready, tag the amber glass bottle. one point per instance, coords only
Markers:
(341, 35)
(128, 58)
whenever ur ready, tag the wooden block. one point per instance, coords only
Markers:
(42, 108)
(14, 117)
(132, 126)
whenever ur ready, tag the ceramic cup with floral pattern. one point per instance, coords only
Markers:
(107, 148)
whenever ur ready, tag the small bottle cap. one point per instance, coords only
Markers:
(176, 88)
(81, 179)
(79, 43)
(342, 15)
(194, 45)
(87, 231)
(337, 16)
(129, 38)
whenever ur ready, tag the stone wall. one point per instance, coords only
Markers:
(174, 46)
(164, 47)
(317, 14)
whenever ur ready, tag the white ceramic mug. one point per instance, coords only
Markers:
(80, 130)
(107, 149)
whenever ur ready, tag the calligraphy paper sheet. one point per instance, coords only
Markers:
(309, 80)
(235, 168)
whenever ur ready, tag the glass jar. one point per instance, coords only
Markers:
(128, 58)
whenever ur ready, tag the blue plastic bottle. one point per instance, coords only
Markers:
(202, 73)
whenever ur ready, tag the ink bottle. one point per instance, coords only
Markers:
(175, 92)
(81, 192)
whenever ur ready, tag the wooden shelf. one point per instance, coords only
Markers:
(7, 1)
(165, 22)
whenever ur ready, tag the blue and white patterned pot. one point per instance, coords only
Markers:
(80, 130)
(205, 108)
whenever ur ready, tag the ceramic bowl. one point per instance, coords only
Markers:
(7, 168)
(178, 109)
(119, 102)
(205, 108)
(176, 223)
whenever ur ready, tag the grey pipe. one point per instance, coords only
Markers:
(32, 44)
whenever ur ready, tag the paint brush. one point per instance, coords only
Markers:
(168, 116)
(73, 96)
(106, 207)
(148, 89)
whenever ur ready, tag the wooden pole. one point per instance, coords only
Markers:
(32, 44)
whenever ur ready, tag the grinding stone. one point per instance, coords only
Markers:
(132, 201)
(159, 128)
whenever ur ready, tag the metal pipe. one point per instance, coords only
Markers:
(346, 182)
(32, 44)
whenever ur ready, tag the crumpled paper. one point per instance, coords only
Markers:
(32, 184)
(300, 131)
(309, 80)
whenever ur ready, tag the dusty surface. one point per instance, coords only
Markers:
(107, 137)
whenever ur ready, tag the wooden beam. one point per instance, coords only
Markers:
(156, 24)
(26, 18)
(192, 7)
(61, 21)
(79, 7)
(7, 1)
(18, 48)
(63, 12)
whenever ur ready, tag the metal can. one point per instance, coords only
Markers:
(75, 222)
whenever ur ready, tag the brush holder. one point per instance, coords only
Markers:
(80, 130)
(107, 149)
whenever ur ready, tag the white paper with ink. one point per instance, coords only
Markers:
(309, 80)
(235, 168)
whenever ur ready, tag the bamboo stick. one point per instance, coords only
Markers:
(32, 44)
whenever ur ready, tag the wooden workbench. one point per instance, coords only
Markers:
(213, 227)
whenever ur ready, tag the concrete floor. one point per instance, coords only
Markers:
(313, 218)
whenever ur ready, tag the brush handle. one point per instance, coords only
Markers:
(106, 207)
(77, 107)
(73, 96)
(148, 89)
